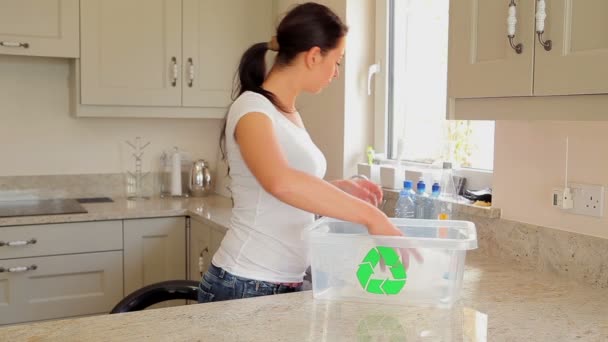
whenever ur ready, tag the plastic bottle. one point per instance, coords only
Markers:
(435, 207)
(448, 192)
(448, 178)
(421, 200)
(405, 208)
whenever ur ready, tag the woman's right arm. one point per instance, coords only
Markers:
(264, 157)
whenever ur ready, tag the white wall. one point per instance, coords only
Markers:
(39, 137)
(340, 119)
(323, 114)
(529, 156)
(359, 107)
(529, 161)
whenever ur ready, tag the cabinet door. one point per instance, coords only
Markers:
(578, 60)
(130, 52)
(481, 62)
(154, 251)
(204, 242)
(216, 34)
(39, 28)
(200, 256)
(60, 286)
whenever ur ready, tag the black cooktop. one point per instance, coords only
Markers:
(40, 207)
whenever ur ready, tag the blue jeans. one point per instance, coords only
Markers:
(217, 285)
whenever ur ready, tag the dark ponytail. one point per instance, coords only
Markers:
(250, 76)
(252, 72)
(305, 26)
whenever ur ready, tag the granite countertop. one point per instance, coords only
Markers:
(500, 303)
(214, 209)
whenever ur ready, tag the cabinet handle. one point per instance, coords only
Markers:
(18, 243)
(190, 72)
(174, 70)
(511, 24)
(18, 269)
(15, 44)
(201, 260)
(541, 15)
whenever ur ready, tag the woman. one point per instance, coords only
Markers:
(276, 170)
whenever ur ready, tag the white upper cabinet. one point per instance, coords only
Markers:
(39, 28)
(131, 52)
(578, 60)
(216, 34)
(482, 62)
(164, 58)
(558, 74)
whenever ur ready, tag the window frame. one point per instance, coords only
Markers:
(383, 121)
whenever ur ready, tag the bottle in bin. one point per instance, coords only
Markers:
(436, 206)
(421, 201)
(406, 208)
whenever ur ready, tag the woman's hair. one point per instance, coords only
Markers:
(305, 26)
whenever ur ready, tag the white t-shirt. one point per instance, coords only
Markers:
(264, 241)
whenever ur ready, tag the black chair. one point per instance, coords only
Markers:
(156, 293)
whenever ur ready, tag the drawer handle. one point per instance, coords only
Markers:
(18, 243)
(18, 269)
(15, 44)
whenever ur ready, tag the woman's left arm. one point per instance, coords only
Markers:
(360, 188)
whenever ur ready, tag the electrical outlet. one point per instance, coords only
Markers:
(557, 198)
(588, 199)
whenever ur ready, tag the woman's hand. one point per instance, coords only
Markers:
(381, 225)
(361, 188)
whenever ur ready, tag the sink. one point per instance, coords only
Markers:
(40, 207)
(95, 200)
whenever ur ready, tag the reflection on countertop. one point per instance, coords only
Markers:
(500, 302)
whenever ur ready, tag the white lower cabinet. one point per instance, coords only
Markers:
(204, 242)
(154, 251)
(59, 270)
(64, 270)
(59, 286)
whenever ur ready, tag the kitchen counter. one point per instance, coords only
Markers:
(501, 302)
(214, 210)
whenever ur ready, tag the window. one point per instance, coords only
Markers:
(417, 86)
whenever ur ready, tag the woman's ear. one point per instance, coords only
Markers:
(313, 57)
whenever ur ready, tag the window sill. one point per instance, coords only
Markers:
(460, 208)
(476, 178)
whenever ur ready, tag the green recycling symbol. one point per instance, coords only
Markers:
(382, 286)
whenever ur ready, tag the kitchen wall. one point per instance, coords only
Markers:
(529, 161)
(323, 114)
(38, 136)
(340, 119)
(358, 118)
(529, 156)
